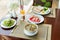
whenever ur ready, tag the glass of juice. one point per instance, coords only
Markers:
(22, 11)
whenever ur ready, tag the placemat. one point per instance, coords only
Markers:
(4, 31)
(52, 14)
(43, 34)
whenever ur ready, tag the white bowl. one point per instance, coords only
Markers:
(8, 27)
(31, 33)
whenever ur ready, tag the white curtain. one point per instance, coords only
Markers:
(59, 4)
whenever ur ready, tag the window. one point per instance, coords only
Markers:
(46, 3)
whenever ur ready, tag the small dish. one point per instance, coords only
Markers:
(4, 23)
(31, 29)
(41, 10)
(38, 19)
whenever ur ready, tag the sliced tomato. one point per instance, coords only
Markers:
(38, 20)
(31, 18)
(35, 19)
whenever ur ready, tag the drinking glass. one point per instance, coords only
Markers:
(13, 7)
(22, 11)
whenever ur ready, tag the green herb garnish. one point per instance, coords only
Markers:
(45, 8)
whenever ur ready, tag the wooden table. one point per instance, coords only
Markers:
(55, 29)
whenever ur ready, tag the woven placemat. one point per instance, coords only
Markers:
(43, 34)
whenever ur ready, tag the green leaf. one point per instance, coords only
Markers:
(43, 1)
(47, 4)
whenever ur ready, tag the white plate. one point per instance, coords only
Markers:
(39, 7)
(8, 27)
(40, 17)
